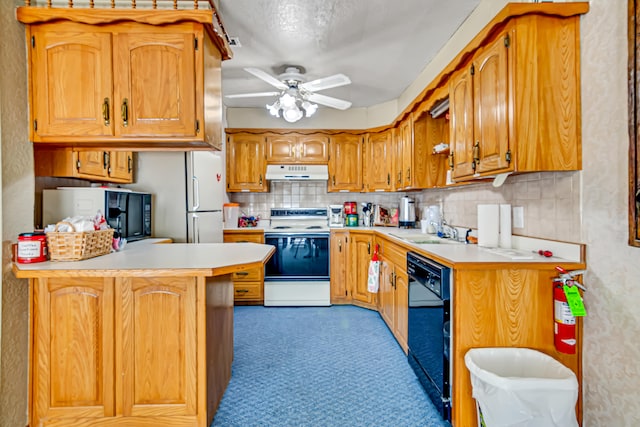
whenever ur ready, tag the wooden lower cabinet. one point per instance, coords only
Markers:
(339, 263)
(116, 351)
(248, 285)
(360, 253)
(393, 295)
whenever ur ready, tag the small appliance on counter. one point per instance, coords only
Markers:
(407, 217)
(336, 216)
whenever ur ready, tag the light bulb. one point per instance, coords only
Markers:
(287, 100)
(274, 109)
(292, 114)
(309, 108)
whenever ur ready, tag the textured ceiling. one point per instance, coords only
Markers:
(381, 45)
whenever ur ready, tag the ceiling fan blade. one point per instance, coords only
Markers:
(263, 75)
(326, 83)
(329, 101)
(251, 95)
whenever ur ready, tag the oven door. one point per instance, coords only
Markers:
(299, 256)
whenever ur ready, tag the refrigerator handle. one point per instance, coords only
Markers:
(196, 192)
(196, 230)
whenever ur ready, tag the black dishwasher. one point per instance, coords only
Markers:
(429, 325)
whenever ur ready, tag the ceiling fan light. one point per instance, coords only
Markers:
(287, 100)
(309, 108)
(292, 114)
(274, 109)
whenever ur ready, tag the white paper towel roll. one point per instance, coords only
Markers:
(505, 226)
(488, 225)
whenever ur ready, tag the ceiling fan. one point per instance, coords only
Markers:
(295, 94)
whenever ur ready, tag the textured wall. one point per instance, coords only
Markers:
(611, 371)
(17, 214)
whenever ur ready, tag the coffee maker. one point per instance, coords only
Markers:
(336, 216)
(407, 214)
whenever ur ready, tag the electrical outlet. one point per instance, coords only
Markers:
(518, 217)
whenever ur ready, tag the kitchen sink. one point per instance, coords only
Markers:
(423, 239)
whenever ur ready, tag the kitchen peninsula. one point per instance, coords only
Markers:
(138, 337)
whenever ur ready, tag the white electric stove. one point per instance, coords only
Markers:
(298, 272)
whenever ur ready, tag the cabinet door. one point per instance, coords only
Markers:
(157, 317)
(385, 293)
(92, 163)
(406, 136)
(281, 149)
(379, 156)
(73, 358)
(313, 149)
(490, 99)
(461, 123)
(361, 249)
(71, 81)
(401, 305)
(345, 163)
(155, 84)
(430, 171)
(245, 163)
(339, 253)
(121, 165)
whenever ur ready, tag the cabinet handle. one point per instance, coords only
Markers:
(125, 112)
(129, 164)
(105, 160)
(388, 178)
(408, 174)
(333, 180)
(242, 273)
(476, 151)
(242, 291)
(451, 160)
(369, 248)
(399, 177)
(339, 245)
(260, 179)
(105, 112)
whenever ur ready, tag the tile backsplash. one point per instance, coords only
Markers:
(550, 201)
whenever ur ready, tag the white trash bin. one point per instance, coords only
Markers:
(520, 387)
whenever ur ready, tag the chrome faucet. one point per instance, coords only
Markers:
(449, 231)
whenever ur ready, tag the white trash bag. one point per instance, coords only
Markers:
(521, 387)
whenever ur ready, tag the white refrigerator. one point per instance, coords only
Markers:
(189, 192)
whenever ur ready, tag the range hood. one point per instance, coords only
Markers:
(297, 172)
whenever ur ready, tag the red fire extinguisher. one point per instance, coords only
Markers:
(564, 334)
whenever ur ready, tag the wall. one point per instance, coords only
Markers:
(17, 214)
(611, 348)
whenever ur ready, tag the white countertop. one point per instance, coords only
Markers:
(218, 258)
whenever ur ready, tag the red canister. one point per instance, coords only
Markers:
(32, 247)
(350, 208)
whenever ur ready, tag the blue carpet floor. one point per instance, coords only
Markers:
(320, 366)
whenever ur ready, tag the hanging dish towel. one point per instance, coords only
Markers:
(373, 280)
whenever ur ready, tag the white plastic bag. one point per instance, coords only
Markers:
(373, 281)
(521, 387)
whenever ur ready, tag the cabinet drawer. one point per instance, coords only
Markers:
(393, 253)
(247, 290)
(239, 237)
(248, 275)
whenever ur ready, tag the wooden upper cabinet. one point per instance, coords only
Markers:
(515, 107)
(71, 81)
(345, 163)
(154, 82)
(104, 166)
(379, 161)
(428, 132)
(412, 171)
(298, 149)
(126, 84)
(246, 163)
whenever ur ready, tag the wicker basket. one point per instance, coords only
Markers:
(78, 245)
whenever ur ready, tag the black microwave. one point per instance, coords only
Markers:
(128, 212)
